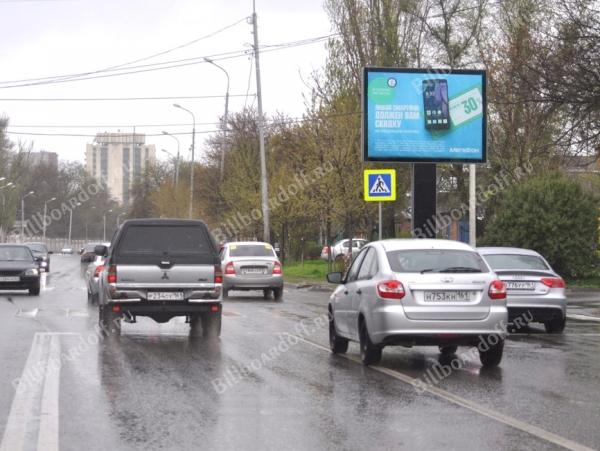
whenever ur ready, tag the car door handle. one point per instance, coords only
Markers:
(359, 291)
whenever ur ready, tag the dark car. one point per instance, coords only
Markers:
(41, 254)
(87, 252)
(18, 269)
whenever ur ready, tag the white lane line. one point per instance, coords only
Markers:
(454, 399)
(583, 317)
(27, 313)
(48, 433)
(21, 410)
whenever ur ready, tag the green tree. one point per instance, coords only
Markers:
(553, 215)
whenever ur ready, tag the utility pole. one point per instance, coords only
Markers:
(261, 134)
(472, 206)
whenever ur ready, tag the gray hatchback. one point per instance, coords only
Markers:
(418, 292)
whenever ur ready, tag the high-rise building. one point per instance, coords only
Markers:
(117, 159)
(45, 158)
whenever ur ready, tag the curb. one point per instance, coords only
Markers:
(310, 287)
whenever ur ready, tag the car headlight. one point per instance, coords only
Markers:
(31, 272)
(44, 263)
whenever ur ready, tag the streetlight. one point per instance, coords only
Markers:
(192, 165)
(71, 221)
(176, 164)
(224, 125)
(46, 215)
(30, 193)
(104, 222)
(176, 159)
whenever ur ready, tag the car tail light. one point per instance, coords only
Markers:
(98, 270)
(215, 308)
(553, 282)
(390, 289)
(277, 268)
(497, 290)
(112, 274)
(218, 274)
(230, 269)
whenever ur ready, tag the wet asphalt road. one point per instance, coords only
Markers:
(270, 382)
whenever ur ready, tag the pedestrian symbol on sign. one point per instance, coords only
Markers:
(380, 187)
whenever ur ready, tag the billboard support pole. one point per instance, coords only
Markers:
(424, 190)
(472, 206)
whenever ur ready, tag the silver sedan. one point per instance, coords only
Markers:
(251, 265)
(418, 292)
(535, 291)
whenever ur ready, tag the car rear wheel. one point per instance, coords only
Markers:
(278, 294)
(369, 353)
(109, 321)
(35, 290)
(225, 293)
(337, 344)
(555, 325)
(266, 293)
(211, 325)
(492, 356)
(448, 350)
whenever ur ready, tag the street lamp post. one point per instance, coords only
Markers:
(119, 219)
(71, 221)
(104, 224)
(46, 215)
(176, 159)
(30, 193)
(176, 165)
(224, 125)
(192, 163)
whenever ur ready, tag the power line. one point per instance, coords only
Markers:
(113, 126)
(110, 99)
(75, 135)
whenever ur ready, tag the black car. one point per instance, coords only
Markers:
(41, 254)
(19, 270)
(87, 252)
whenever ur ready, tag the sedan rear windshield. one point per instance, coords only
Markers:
(40, 248)
(515, 261)
(251, 250)
(164, 241)
(15, 253)
(436, 260)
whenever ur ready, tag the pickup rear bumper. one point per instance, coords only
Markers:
(164, 311)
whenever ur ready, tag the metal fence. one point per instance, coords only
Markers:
(53, 244)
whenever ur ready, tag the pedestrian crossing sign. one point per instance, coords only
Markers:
(379, 185)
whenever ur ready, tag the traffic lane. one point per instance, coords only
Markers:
(547, 380)
(161, 390)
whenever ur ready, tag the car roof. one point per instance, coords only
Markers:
(35, 242)
(14, 245)
(243, 243)
(162, 221)
(423, 243)
(506, 250)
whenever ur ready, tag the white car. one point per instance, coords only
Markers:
(339, 249)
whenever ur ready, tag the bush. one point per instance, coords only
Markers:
(552, 215)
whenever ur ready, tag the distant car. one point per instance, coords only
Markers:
(92, 275)
(418, 292)
(251, 265)
(87, 252)
(18, 269)
(67, 251)
(535, 290)
(42, 254)
(341, 248)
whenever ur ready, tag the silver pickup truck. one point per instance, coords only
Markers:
(161, 268)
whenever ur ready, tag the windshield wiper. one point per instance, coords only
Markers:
(460, 269)
(429, 270)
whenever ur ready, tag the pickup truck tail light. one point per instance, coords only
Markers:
(218, 274)
(277, 268)
(98, 270)
(553, 282)
(230, 269)
(497, 290)
(112, 274)
(390, 289)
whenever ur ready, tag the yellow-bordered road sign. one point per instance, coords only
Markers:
(379, 185)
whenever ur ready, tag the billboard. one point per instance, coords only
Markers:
(424, 115)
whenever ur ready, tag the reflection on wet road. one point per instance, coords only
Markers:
(270, 382)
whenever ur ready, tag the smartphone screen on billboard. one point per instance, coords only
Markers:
(435, 103)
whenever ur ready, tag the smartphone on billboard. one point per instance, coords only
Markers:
(435, 102)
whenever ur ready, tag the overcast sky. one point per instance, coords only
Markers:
(45, 38)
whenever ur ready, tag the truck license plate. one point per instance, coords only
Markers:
(165, 296)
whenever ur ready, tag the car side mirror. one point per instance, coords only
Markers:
(50, 252)
(101, 250)
(334, 277)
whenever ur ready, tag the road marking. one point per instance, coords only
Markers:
(37, 391)
(77, 313)
(583, 317)
(27, 313)
(473, 406)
